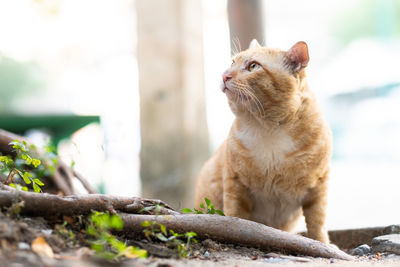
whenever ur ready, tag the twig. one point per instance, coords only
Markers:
(60, 182)
(83, 181)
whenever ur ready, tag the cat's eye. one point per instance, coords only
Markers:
(252, 66)
(233, 62)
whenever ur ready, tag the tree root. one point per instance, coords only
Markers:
(236, 231)
(49, 204)
(220, 228)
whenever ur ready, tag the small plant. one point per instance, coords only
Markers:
(173, 239)
(65, 232)
(209, 208)
(156, 209)
(19, 167)
(105, 244)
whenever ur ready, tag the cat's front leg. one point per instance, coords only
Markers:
(237, 202)
(314, 211)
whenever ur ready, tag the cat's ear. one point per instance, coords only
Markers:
(297, 56)
(254, 44)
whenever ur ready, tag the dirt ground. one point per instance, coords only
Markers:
(18, 233)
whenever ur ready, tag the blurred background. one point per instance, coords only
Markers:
(129, 90)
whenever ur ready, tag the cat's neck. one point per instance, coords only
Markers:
(255, 126)
(305, 116)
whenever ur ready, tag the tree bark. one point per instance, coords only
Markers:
(237, 231)
(42, 204)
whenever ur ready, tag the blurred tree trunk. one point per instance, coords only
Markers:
(172, 99)
(245, 23)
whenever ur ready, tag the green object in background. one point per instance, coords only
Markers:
(18, 79)
(59, 126)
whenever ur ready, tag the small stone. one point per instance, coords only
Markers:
(47, 232)
(276, 260)
(387, 243)
(206, 254)
(23, 246)
(361, 250)
(254, 257)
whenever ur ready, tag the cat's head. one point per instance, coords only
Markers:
(266, 82)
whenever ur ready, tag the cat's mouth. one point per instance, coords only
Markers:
(234, 94)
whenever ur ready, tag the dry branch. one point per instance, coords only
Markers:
(221, 228)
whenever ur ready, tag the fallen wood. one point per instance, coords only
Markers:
(220, 228)
(49, 204)
(236, 231)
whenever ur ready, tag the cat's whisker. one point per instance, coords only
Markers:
(252, 97)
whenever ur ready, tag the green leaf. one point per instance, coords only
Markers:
(208, 202)
(220, 212)
(146, 209)
(190, 234)
(12, 185)
(140, 253)
(186, 210)
(36, 180)
(36, 188)
(161, 237)
(202, 205)
(36, 162)
(116, 222)
(198, 211)
(91, 230)
(24, 188)
(163, 229)
(97, 247)
(118, 245)
(211, 210)
(146, 224)
(6, 159)
(26, 177)
(19, 146)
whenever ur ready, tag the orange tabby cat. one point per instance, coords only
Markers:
(274, 165)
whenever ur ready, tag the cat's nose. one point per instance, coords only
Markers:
(226, 77)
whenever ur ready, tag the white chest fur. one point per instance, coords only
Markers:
(267, 147)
